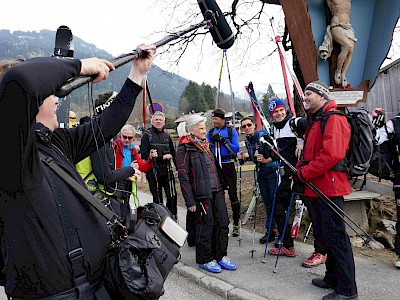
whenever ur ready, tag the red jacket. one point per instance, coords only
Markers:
(119, 157)
(324, 152)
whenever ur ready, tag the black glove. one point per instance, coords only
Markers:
(298, 185)
(268, 139)
(218, 138)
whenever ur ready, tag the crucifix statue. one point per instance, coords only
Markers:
(340, 31)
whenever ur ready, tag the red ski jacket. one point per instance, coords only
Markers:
(322, 153)
(119, 156)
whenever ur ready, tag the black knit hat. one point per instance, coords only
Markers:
(218, 113)
(103, 101)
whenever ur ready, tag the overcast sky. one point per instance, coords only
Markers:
(117, 27)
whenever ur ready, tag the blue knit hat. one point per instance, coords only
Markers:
(274, 103)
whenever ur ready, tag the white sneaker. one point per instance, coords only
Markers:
(397, 262)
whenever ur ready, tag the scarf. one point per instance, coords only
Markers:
(203, 145)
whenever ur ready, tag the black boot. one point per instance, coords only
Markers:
(272, 237)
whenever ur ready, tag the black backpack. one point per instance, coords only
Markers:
(361, 147)
(384, 154)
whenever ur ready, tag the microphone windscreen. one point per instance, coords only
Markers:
(220, 31)
(64, 44)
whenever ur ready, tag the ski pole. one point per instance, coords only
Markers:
(240, 201)
(271, 217)
(257, 195)
(284, 230)
(172, 190)
(325, 198)
(307, 232)
(156, 179)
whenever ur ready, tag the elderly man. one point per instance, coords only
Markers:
(162, 176)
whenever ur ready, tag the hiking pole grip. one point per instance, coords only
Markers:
(123, 59)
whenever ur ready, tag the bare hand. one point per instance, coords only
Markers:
(135, 165)
(153, 153)
(167, 157)
(299, 149)
(141, 66)
(95, 66)
(192, 208)
(260, 158)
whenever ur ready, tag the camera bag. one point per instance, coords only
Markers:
(137, 264)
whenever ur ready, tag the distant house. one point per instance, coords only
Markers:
(185, 117)
(228, 118)
(238, 116)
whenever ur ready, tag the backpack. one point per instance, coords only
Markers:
(385, 153)
(361, 147)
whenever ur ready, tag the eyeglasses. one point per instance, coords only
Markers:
(127, 137)
(246, 125)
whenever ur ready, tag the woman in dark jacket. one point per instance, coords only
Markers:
(203, 189)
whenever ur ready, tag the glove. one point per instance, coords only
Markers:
(218, 138)
(268, 139)
(298, 185)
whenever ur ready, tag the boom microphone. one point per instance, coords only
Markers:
(220, 31)
(214, 21)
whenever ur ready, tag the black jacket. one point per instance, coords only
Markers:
(32, 242)
(153, 139)
(193, 173)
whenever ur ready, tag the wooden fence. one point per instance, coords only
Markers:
(385, 92)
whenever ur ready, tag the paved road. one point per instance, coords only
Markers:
(255, 279)
(178, 287)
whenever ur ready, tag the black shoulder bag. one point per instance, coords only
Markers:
(137, 264)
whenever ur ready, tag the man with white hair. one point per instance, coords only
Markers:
(162, 176)
(319, 164)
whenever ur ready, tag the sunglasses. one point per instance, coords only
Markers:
(127, 137)
(246, 125)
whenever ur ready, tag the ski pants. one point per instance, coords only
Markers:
(330, 230)
(163, 181)
(318, 246)
(229, 171)
(396, 188)
(267, 179)
(212, 229)
(283, 196)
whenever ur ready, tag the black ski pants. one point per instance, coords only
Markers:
(212, 229)
(318, 246)
(330, 230)
(229, 171)
(165, 180)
